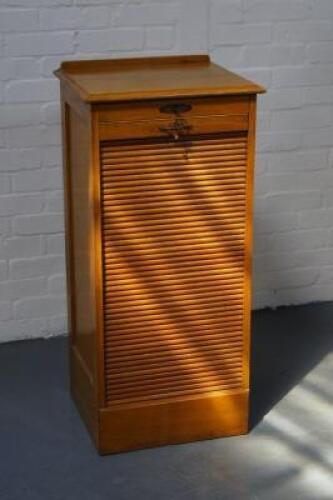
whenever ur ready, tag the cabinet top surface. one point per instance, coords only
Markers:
(152, 77)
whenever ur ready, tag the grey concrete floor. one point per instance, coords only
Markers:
(46, 454)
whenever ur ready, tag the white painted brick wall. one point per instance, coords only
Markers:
(286, 45)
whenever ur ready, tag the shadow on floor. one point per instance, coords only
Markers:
(286, 344)
(46, 454)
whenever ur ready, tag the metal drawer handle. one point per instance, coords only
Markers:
(179, 127)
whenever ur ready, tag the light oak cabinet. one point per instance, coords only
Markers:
(158, 167)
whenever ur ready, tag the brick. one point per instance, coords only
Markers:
(13, 290)
(20, 67)
(263, 184)
(264, 119)
(11, 204)
(238, 34)
(310, 160)
(226, 11)
(5, 311)
(322, 137)
(192, 37)
(262, 76)
(303, 76)
(51, 156)
(2, 138)
(38, 224)
(289, 279)
(310, 239)
(279, 141)
(272, 10)
(38, 44)
(292, 181)
(321, 9)
(56, 244)
(35, 307)
(38, 3)
(328, 197)
(275, 223)
(310, 117)
(323, 256)
(20, 159)
(26, 246)
(18, 20)
(330, 163)
(5, 184)
(320, 52)
(262, 299)
(303, 31)
(57, 325)
(116, 39)
(273, 55)
(45, 265)
(4, 70)
(289, 202)
(312, 219)
(32, 91)
(48, 64)
(51, 113)
(160, 38)
(326, 275)
(261, 164)
(326, 178)
(74, 17)
(3, 270)
(15, 115)
(39, 135)
(228, 56)
(280, 261)
(5, 226)
(318, 95)
(57, 284)
(260, 244)
(23, 329)
(96, 2)
(136, 15)
(301, 295)
(55, 202)
(37, 180)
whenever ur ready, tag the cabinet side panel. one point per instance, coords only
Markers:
(249, 237)
(82, 235)
(80, 254)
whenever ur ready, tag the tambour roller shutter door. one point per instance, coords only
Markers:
(174, 231)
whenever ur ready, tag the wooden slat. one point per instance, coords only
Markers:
(173, 243)
(176, 395)
(225, 334)
(207, 323)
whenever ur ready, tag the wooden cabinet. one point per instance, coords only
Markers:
(158, 167)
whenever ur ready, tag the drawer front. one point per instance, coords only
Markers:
(122, 121)
(174, 225)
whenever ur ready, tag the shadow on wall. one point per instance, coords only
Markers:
(285, 350)
(286, 268)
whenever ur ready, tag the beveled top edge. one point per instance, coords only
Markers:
(70, 71)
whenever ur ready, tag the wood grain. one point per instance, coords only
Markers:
(148, 78)
(195, 361)
(159, 244)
